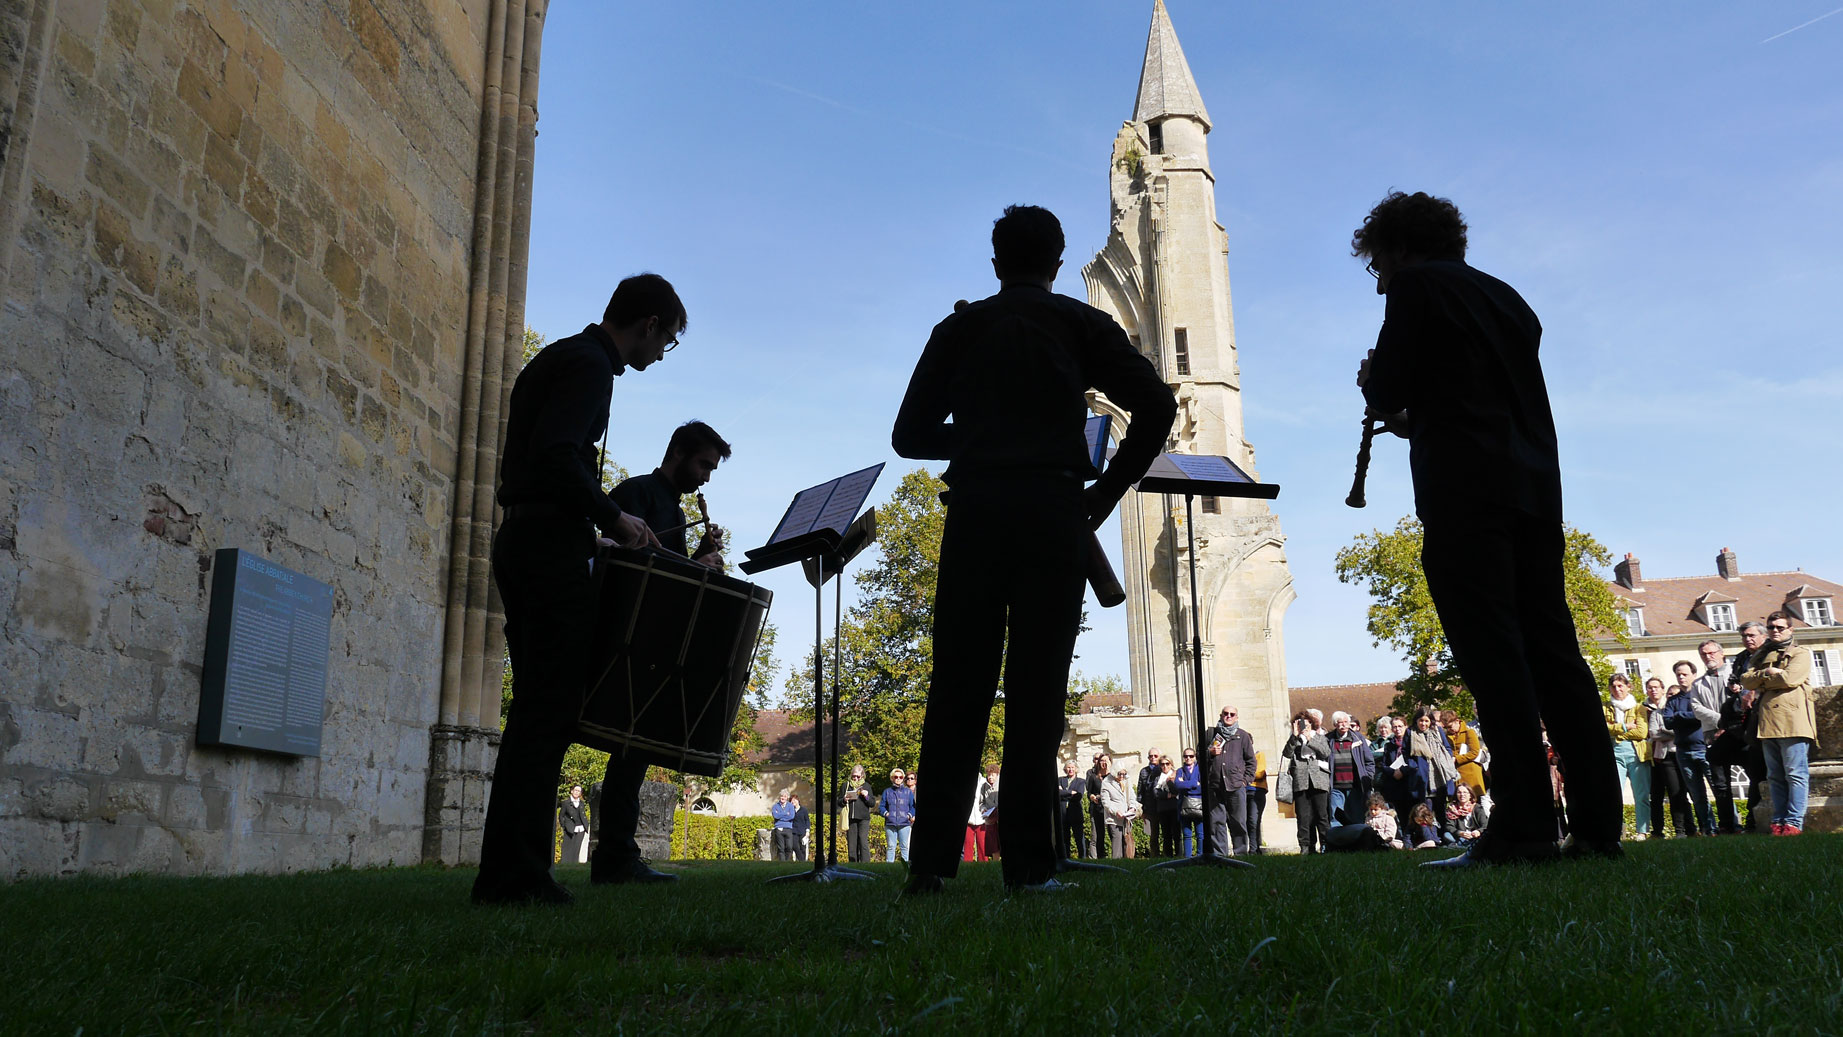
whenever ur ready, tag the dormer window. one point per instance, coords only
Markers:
(1635, 622)
(1721, 616)
(1817, 612)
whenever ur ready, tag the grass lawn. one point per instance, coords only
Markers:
(1733, 935)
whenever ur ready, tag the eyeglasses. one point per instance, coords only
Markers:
(670, 346)
(1370, 267)
(1779, 628)
(1190, 756)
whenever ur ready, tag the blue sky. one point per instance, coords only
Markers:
(1663, 183)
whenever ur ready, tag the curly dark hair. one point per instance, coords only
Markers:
(1418, 224)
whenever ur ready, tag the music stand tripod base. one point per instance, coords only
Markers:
(1210, 859)
(1071, 864)
(824, 873)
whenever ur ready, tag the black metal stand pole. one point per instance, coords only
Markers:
(1209, 856)
(821, 871)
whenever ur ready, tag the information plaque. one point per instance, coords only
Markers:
(267, 643)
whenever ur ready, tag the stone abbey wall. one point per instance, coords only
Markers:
(238, 258)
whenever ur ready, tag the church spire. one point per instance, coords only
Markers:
(1165, 84)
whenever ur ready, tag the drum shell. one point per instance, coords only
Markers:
(673, 644)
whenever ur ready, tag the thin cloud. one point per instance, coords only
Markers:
(1806, 25)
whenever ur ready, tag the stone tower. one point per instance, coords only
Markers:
(1164, 276)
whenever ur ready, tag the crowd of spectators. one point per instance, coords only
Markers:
(1724, 749)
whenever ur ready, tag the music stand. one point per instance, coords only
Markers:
(818, 529)
(831, 566)
(1211, 476)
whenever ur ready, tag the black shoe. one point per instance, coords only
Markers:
(634, 871)
(1585, 849)
(1488, 852)
(921, 884)
(549, 892)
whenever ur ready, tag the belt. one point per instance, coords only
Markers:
(543, 509)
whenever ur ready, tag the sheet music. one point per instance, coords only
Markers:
(847, 497)
(830, 505)
(1208, 466)
(800, 514)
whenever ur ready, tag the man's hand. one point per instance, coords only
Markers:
(714, 559)
(630, 532)
(1395, 424)
(1363, 369)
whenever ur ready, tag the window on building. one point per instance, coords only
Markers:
(1157, 133)
(1820, 669)
(1635, 622)
(1182, 339)
(1211, 507)
(1632, 671)
(1817, 612)
(1721, 617)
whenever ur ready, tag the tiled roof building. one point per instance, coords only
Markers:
(1667, 618)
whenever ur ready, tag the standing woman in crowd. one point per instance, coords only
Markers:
(973, 848)
(1467, 751)
(988, 800)
(1385, 730)
(897, 808)
(1420, 749)
(1165, 794)
(1256, 800)
(1399, 783)
(857, 816)
(1631, 733)
(1189, 784)
(1118, 804)
(1308, 759)
(1666, 779)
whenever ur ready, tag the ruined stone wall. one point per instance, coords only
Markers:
(236, 292)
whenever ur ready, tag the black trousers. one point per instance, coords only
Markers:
(1098, 845)
(1071, 837)
(1167, 833)
(1497, 582)
(1154, 831)
(1313, 811)
(620, 803)
(1721, 779)
(541, 569)
(1257, 805)
(857, 839)
(1228, 821)
(988, 591)
(1667, 782)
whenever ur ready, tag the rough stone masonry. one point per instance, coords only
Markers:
(261, 269)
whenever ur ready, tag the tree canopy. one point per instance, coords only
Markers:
(1402, 613)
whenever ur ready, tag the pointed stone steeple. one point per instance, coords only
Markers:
(1165, 84)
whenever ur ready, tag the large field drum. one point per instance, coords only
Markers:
(673, 644)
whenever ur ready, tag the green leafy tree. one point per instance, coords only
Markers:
(1402, 613)
(888, 640)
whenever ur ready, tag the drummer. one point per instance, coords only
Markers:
(693, 452)
(554, 504)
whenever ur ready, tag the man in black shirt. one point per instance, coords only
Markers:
(692, 454)
(550, 487)
(1455, 371)
(1071, 837)
(1012, 371)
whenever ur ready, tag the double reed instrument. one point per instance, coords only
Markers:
(1370, 425)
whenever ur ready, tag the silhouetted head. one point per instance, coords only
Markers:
(644, 317)
(1027, 245)
(1406, 229)
(693, 452)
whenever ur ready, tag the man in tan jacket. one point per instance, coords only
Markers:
(1780, 675)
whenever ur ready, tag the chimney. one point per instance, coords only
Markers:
(1626, 573)
(1726, 566)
